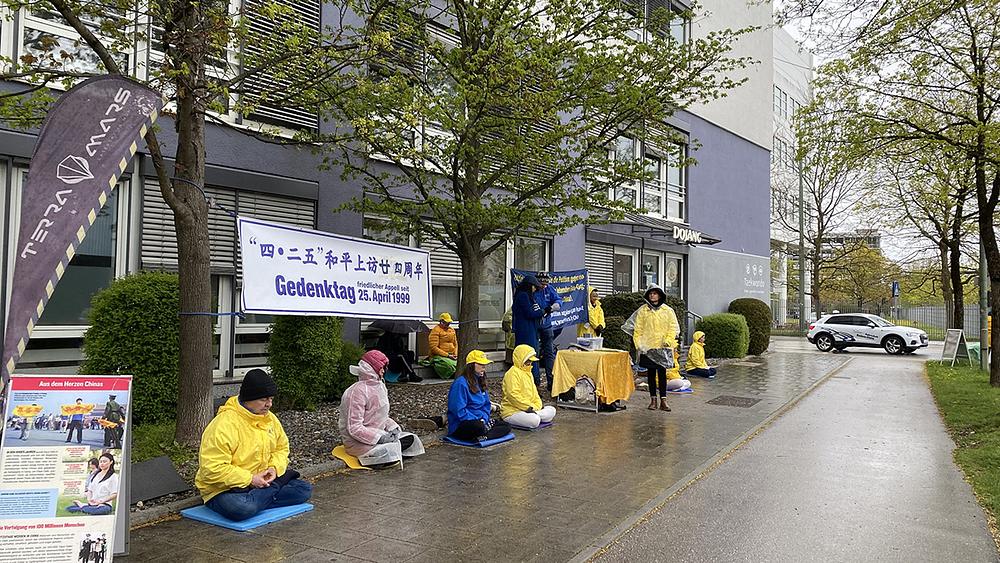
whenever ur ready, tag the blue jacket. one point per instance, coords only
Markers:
(527, 316)
(463, 404)
(546, 297)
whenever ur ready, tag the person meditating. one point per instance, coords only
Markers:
(101, 488)
(368, 432)
(696, 364)
(521, 405)
(243, 460)
(469, 407)
(443, 343)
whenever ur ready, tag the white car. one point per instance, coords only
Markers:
(839, 331)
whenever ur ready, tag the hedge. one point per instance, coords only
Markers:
(624, 304)
(614, 336)
(350, 355)
(758, 316)
(304, 357)
(134, 329)
(726, 335)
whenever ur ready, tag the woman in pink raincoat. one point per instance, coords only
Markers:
(365, 426)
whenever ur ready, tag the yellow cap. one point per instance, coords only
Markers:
(446, 317)
(477, 357)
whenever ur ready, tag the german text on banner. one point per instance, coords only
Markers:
(62, 468)
(292, 271)
(571, 286)
(85, 145)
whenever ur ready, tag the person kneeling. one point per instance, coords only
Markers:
(368, 432)
(696, 364)
(469, 407)
(521, 405)
(243, 461)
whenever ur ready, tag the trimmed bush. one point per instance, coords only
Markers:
(134, 329)
(624, 304)
(350, 355)
(304, 357)
(758, 316)
(614, 336)
(726, 335)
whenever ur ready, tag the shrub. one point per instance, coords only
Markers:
(350, 355)
(726, 335)
(758, 316)
(614, 336)
(624, 304)
(304, 356)
(134, 329)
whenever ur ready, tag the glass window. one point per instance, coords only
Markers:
(676, 183)
(625, 151)
(653, 191)
(672, 276)
(650, 270)
(493, 286)
(679, 27)
(91, 270)
(446, 298)
(623, 273)
(530, 254)
(374, 228)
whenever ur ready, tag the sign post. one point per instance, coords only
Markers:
(955, 346)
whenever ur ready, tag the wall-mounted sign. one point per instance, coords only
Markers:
(686, 235)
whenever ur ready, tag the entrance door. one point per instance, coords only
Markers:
(624, 271)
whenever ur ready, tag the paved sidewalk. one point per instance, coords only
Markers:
(545, 496)
(860, 470)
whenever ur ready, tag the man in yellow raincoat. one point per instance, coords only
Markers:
(243, 461)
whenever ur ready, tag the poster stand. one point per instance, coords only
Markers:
(955, 347)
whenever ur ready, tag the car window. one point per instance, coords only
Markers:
(859, 321)
(839, 320)
(882, 322)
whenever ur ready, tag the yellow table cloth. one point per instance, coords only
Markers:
(611, 371)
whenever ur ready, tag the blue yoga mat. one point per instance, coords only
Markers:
(479, 444)
(209, 516)
(682, 392)
(539, 427)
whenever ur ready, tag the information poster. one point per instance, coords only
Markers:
(61, 467)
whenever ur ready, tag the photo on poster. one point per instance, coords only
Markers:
(93, 548)
(54, 418)
(90, 488)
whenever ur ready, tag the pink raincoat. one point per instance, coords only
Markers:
(364, 411)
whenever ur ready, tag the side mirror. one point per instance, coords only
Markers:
(871, 324)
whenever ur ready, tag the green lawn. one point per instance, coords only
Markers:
(971, 410)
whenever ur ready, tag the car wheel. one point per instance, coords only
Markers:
(824, 343)
(893, 345)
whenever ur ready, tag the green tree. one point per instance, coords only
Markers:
(503, 117)
(926, 73)
(200, 72)
(862, 277)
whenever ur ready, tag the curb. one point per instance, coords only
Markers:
(599, 544)
(153, 515)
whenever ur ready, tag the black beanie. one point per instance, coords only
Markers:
(257, 385)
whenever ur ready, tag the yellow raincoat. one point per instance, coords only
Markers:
(696, 354)
(655, 328)
(519, 391)
(595, 317)
(236, 445)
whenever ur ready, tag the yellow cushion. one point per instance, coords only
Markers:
(340, 453)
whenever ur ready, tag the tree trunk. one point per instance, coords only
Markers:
(194, 381)
(988, 238)
(957, 285)
(945, 279)
(468, 314)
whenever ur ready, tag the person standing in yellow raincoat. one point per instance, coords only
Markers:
(655, 335)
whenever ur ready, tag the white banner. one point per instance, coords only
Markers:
(293, 271)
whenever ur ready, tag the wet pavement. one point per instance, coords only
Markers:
(859, 470)
(546, 496)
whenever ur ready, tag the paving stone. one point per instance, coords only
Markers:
(544, 496)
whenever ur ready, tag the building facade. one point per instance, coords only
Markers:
(706, 239)
(792, 89)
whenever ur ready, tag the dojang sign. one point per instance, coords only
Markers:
(690, 236)
(288, 270)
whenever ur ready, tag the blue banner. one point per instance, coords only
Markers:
(571, 287)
